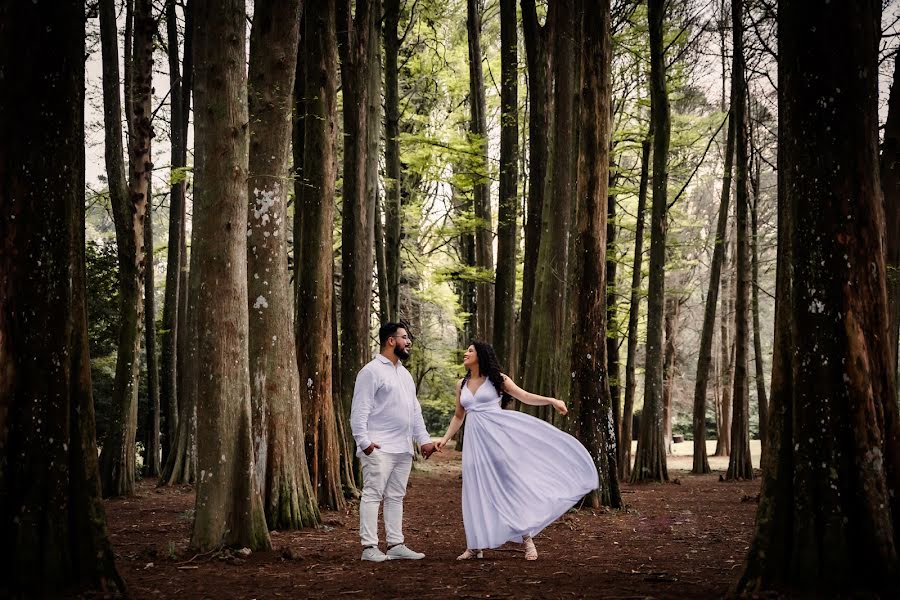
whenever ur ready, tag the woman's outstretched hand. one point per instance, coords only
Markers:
(439, 445)
(560, 406)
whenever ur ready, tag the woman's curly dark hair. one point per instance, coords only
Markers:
(489, 366)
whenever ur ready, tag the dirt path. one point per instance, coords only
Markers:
(674, 541)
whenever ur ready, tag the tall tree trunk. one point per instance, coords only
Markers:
(634, 309)
(152, 455)
(543, 360)
(671, 328)
(890, 184)
(169, 333)
(229, 509)
(704, 356)
(834, 434)
(313, 250)
(275, 396)
(726, 364)
(591, 402)
(762, 401)
(650, 459)
(357, 228)
(507, 212)
(392, 184)
(739, 463)
(538, 52)
(612, 295)
(117, 459)
(481, 182)
(52, 519)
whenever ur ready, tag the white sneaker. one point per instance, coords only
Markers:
(374, 554)
(401, 551)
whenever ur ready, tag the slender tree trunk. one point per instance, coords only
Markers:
(52, 520)
(484, 254)
(612, 295)
(152, 455)
(634, 310)
(373, 140)
(117, 459)
(229, 508)
(890, 184)
(538, 53)
(762, 401)
(543, 361)
(704, 357)
(739, 463)
(591, 401)
(671, 329)
(726, 365)
(834, 438)
(393, 205)
(313, 250)
(275, 396)
(169, 333)
(507, 226)
(650, 459)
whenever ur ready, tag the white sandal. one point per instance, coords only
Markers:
(470, 554)
(530, 550)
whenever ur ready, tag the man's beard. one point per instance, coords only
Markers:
(401, 354)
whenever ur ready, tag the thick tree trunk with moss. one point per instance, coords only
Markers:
(591, 402)
(634, 309)
(229, 509)
(739, 464)
(704, 356)
(834, 453)
(117, 459)
(507, 212)
(281, 469)
(52, 520)
(543, 361)
(650, 459)
(313, 250)
(538, 52)
(484, 253)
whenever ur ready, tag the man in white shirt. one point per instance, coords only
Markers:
(385, 417)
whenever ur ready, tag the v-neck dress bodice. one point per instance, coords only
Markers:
(519, 473)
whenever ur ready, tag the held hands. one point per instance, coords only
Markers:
(560, 406)
(371, 448)
(439, 445)
(428, 449)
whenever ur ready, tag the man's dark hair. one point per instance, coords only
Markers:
(389, 329)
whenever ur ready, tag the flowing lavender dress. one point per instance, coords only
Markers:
(519, 473)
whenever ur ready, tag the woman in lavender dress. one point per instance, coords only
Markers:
(519, 473)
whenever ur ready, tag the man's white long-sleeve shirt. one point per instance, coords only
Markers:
(385, 410)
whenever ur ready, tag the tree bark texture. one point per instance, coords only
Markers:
(827, 522)
(52, 519)
(229, 509)
(739, 463)
(393, 205)
(704, 356)
(650, 459)
(634, 309)
(152, 454)
(117, 458)
(507, 212)
(726, 364)
(612, 295)
(278, 439)
(890, 184)
(313, 250)
(592, 421)
(538, 53)
(543, 361)
(481, 182)
(761, 396)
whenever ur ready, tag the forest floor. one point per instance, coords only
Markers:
(685, 539)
